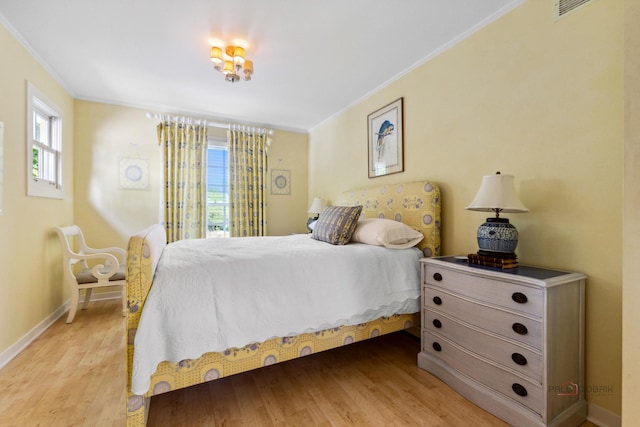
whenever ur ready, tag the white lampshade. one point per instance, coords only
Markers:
(317, 206)
(497, 194)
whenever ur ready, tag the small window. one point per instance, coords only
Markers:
(217, 189)
(44, 146)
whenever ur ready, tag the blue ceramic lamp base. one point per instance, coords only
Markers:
(310, 220)
(497, 237)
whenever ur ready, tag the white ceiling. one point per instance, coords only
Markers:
(312, 59)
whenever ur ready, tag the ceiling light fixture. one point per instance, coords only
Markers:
(231, 62)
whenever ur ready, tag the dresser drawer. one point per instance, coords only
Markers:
(506, 353)
(519, 328)
(508, 295)
(511, 385)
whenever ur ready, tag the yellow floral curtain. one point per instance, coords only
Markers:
(247, 182)
(185, 194)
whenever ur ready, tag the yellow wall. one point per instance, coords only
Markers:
(105, 134)
(30, 271)
(529, 96)
(287, 214)
(631, 230)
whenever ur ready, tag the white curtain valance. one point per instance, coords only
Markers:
(196, 121)
(250, 129)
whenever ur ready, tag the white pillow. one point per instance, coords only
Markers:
(386, 232)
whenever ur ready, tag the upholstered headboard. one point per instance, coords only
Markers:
(416, 204)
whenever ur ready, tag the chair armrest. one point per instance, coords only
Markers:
(104, 270)
(110, 268)
(119, 253)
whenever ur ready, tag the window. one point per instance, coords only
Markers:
(217, 189)
(44, 146)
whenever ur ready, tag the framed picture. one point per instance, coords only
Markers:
(385, 133)
(280, 181)
(133, 174)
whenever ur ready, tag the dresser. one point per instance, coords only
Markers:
(511, 341)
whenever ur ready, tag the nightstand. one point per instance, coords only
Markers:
(511, 341)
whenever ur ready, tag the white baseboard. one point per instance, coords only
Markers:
(15, 349)
(602, 417)
(34, 333)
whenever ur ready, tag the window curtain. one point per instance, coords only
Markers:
(247, 182)
(185, 194)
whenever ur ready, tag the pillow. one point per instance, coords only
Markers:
(386, 232)
(336, 224)
(312, 224)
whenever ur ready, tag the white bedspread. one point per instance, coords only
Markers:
(213, 294)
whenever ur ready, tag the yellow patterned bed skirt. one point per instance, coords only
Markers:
(211, 366)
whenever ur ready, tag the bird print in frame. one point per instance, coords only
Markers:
(385, 134)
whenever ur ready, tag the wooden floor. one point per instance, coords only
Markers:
(75, 375)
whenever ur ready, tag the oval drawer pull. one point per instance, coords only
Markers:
(437, 323)
(519, 297)
(437, 300)
(519, 359)
(519, 328)
(436, 346)
(519, 389)
(437, 277)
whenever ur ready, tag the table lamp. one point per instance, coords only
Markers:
(497, 193)
(317, 206)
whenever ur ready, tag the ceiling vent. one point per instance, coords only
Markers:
(562, 8)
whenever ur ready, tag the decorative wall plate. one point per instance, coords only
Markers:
(280, 181)
(133, 174)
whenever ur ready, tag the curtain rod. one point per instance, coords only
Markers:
(185, 119)
(205, 122)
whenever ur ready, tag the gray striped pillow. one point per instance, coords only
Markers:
(336, 224)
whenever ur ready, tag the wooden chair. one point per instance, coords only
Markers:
(107, 267)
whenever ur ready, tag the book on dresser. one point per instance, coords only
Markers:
(510, 340)
(492, 261)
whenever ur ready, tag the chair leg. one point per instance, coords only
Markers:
(87, 298)
(75, 297)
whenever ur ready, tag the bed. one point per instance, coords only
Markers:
(416, 204)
